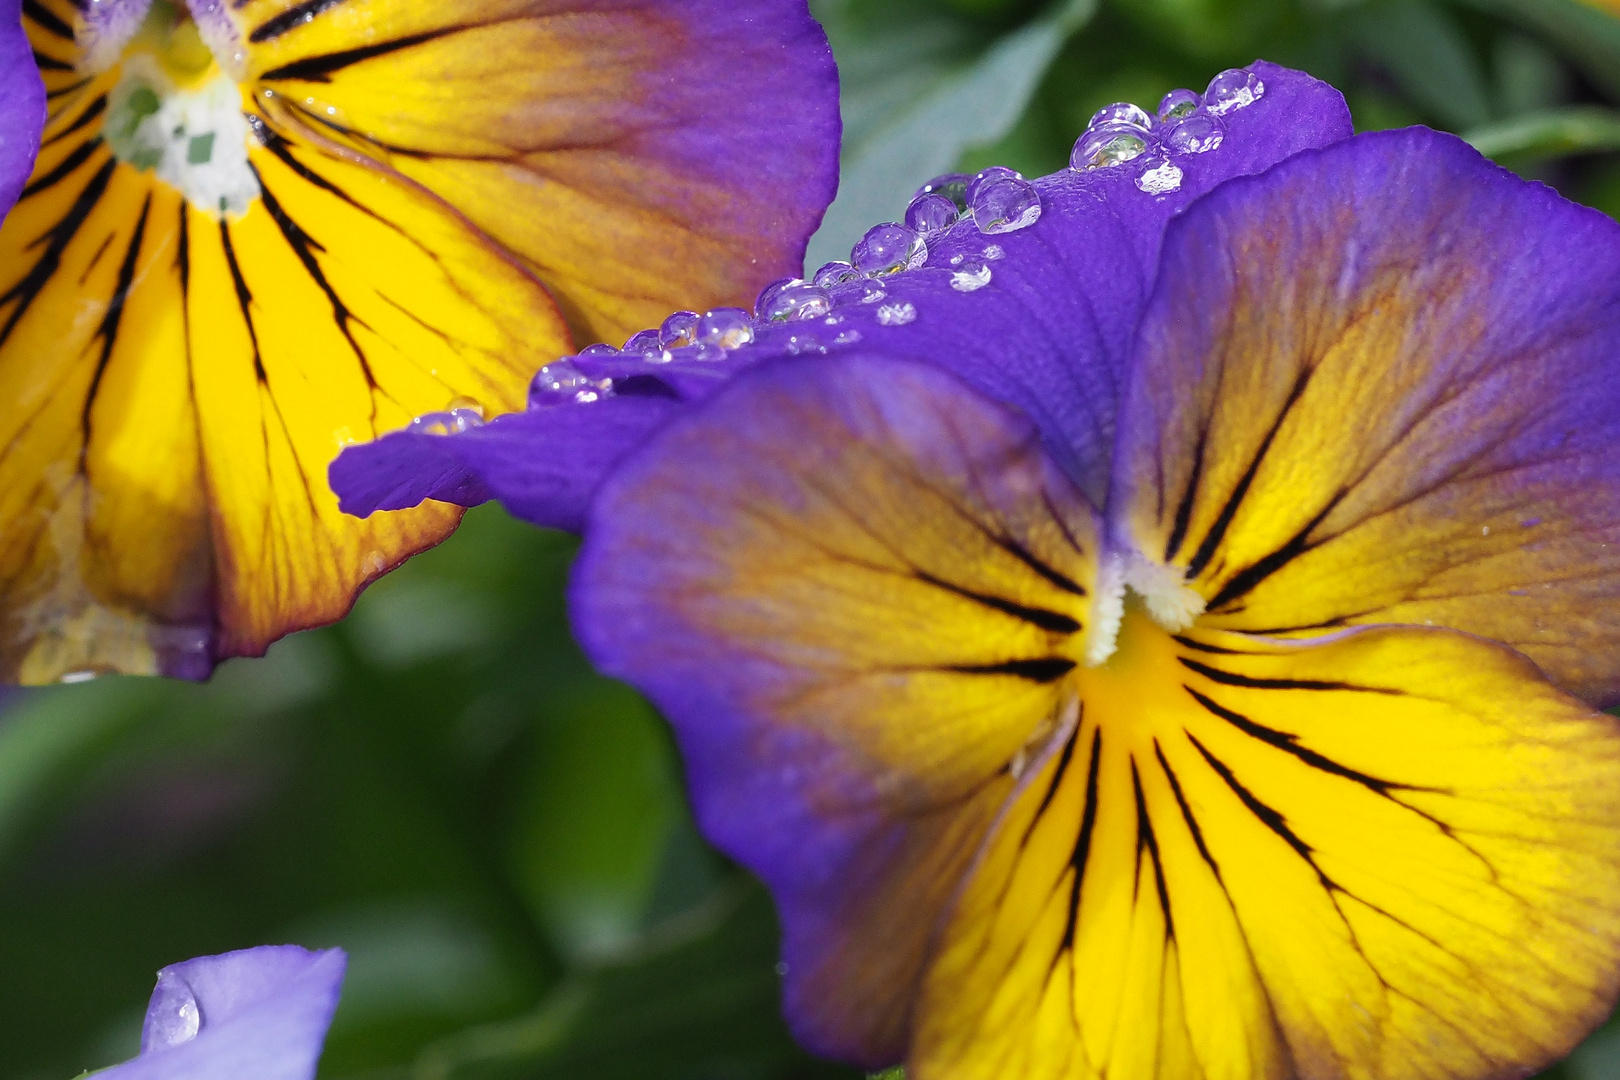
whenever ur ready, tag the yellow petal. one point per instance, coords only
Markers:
(858, 589)
(629, 134)
(177, 385)
(1388, 855)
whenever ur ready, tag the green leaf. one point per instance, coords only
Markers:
(1549, 133)
(1589, 37)
(600, 805)
(697, 997)
(1425, 51)
(913, 103)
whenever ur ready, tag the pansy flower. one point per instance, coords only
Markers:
(253, 1014)
(259, 230)
(1144, 623)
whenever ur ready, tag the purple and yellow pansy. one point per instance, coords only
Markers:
(1144, 623)
(259, 230)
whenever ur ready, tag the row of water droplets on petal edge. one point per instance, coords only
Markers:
(997, 200)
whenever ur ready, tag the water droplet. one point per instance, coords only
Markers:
(993, 252)
(173, 1017)
(1197, 134)
(678, 330)
(801, 343)
(1159, 177)
(835, 273)
(1108, 145)
(450, 422)
(468, 404)
(847, 337)
(872, 295)
(1178, 105)
(897, 314)
(1121, 112)
(953, 186)
(561, 382)
(646, 341)
(599, 350)
(795, 300)
(727, 327)
(931, 213)
(702, 352)
(1004, 203)
(973, 276)
(1231, 90)
(888, 249)
(83, 675)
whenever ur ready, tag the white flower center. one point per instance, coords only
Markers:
(193, 138)
(1163, 591)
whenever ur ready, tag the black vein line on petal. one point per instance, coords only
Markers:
(110, 322)
(64, 168)
(1027, 557)
(1013, 547)
(1053, 621)
(1205, 647)
(1229, 678)
(50, 63)
(1278, 824)
(26, 291)
(95, 260)
(1289, 744)
(1217, 531)
(290, 19)
(1082, 844)
(244, 301)
(1187, 814)
(1063, 526)
(1241, 583)
(1057, 776)
(321, 68)
(68, 89)
(89, 115)
(304, 247)
(1269, 817)
(1145, 840)
(47, 20)
(1178, 533)
(1042, 669)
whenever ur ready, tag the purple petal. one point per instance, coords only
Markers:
(256, 1014)
(22, 105)
(543, 464)
(1049, 334)
(846, 583)
(1381, 383)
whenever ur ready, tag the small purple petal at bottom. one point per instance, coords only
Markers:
(254, 1014)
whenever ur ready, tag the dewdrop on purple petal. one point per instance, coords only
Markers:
(1002, 201)
(888, 249)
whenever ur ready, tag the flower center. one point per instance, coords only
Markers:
(1127, 581)
(176, 114)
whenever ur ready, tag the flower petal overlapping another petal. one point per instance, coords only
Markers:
(1060, 355)
(1258, 778)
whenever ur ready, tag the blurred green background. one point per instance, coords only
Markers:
(440, 784)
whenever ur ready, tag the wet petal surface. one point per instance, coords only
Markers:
(1352, 407)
